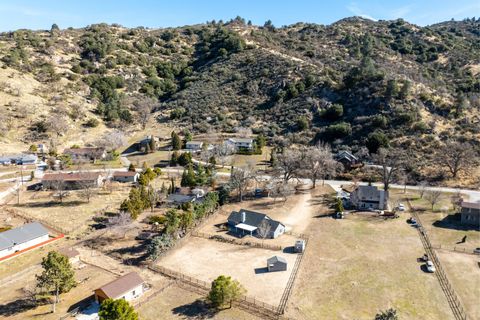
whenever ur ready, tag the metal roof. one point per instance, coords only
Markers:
(22, 234)
(275, 259)
(246, 227)
(252, 218)
(116, 288)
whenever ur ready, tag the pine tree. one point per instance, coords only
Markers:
(118, 309)
(131, 167)
(57, 276)
(176, 141)
(184, 182)
(174, 159)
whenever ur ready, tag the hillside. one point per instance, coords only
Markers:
(356, 82)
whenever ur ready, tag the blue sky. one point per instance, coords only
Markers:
(40, 14)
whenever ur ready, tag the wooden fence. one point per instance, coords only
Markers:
(251, 305)
(234, 241)
(453, 248)
(30, 218)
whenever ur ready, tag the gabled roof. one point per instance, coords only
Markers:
(122, 285)
(241, 140)
(125, 173)
(194, 143)
(72, 176)
(368, 192)
(22, 234)
(252, 218)
(276, 259)
(181, 198)
(346, 155)
(471, 205)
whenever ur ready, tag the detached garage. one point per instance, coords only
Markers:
(276, 263)
(128, 287)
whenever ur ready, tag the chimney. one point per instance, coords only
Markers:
(243, 216)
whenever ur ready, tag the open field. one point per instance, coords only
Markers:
(74, 214)
(464, 274)
(357, 266)
(150, 158)
(207, 259)
(177, 303)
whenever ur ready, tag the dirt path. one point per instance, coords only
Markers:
(302, 214)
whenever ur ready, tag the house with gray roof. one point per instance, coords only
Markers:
(369, 197)
(470, 213)
(347, 159)
(194, 145)
(21, 159)
(246, 222)
(245, 144)
(21, 238)
(276, 263)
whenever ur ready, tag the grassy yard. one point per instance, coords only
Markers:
(150, 158)
(357, 266)
(74, 214)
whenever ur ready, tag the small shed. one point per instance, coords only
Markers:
(71, 253)
(128, 287)
(276, 263)
(299, 246)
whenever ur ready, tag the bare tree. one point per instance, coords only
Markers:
(58, 124)
(289, 163)
(59, 188)
(153, 197)
(240, 178)
(422, 188)
(457, 157)
(318, 163)
(120, 223)
(433, 197)
(391, 162)
(279, 189)
(112, 140)
(263, 229)
(87, 190)
(144, 107)
(224, 153)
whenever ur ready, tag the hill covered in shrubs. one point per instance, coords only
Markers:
(354, 83)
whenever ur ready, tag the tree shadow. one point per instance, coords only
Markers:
(453, 221)
(20, 305)
(50, 204)
(198, 310)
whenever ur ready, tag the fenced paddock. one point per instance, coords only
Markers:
(205, 260)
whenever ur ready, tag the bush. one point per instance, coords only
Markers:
(377, 140)
(337, 131)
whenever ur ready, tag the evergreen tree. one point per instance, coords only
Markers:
(174, 159)
(118, 309)
(176, 141)
(131, 167)
(152, 145)
(224, 290)
(57, 276)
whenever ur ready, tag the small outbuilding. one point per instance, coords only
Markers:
(125, 176)
(299, 246)
(71, 253)
(128, 287)
(276, 263)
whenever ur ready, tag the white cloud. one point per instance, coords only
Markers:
(355, 9)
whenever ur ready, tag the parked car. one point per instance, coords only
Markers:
(401, 207)
(476, 251)
(412, 220)
(430, 267)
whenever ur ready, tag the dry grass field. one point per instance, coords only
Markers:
(74, 214)
(207, 259)
(357, 266)
(176, 303)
